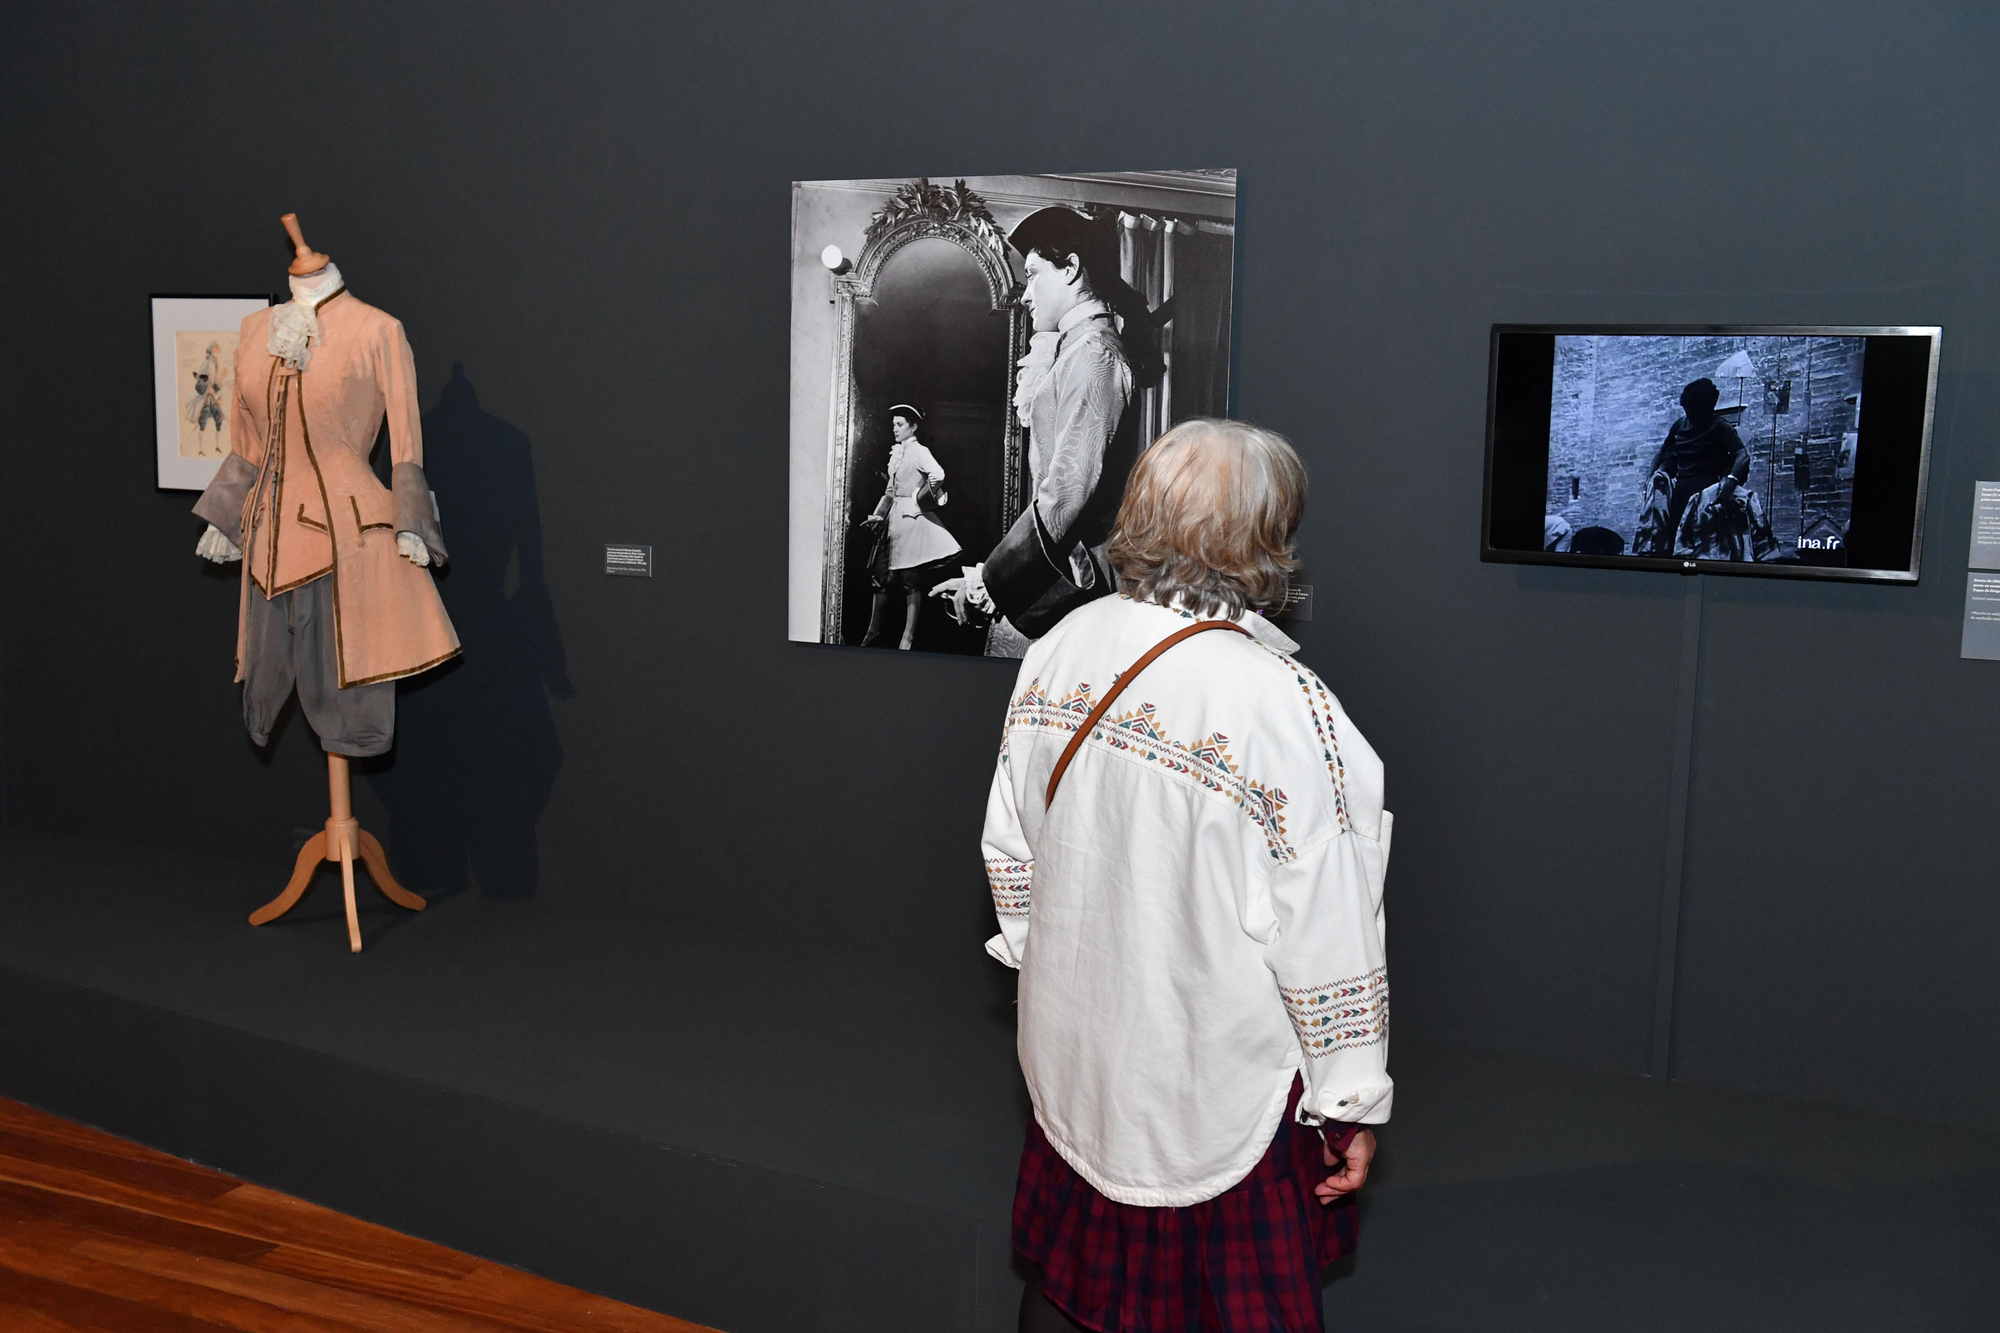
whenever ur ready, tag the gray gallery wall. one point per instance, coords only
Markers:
(587, 209)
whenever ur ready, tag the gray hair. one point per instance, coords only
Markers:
(1209, 517)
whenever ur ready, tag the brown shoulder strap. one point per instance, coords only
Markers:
(1089, 723)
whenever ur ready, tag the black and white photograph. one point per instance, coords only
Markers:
(976, 363)
(1706, 447)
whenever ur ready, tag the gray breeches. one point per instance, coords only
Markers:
(287, 642)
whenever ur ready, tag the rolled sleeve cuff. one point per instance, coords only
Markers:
(222, 503)
(1360, 1107)
(415, 513)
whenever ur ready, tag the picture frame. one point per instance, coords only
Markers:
(194, 391)
(918, 370)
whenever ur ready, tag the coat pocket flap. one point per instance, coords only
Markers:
(372, 510)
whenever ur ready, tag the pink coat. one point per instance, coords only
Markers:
(298, 496)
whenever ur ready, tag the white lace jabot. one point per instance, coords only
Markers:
(295, 325)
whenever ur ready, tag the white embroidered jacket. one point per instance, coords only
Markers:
(1198, 915)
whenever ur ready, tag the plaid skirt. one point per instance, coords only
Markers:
(1246, 1261)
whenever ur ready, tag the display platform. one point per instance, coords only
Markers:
(744, 1133)
(762, 1136)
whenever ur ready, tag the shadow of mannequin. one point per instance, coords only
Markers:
(477, 756)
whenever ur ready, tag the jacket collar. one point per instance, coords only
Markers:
(1081, 311)
(327, 284)
(1080, 316)
(1254, 622)
(1266, 633)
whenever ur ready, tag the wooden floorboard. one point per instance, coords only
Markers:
(100, 1234)
(61, 1256)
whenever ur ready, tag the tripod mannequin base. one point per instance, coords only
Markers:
(342, 840)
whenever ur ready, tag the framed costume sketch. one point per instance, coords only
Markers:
(194, 390)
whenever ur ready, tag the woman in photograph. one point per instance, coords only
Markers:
(915, 549)
(1192, 892)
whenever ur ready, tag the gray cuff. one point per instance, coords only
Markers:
(415, 511)
(222, 503)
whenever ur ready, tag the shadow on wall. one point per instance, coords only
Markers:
(476, 752)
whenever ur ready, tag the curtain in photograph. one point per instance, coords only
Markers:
(1186, 267)
(1201, 261)
(1144, 264)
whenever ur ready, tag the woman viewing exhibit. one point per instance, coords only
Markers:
(913, 548)
(1186, 845)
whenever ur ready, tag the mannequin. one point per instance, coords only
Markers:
(336, 601)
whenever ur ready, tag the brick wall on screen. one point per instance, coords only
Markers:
(1615, 399)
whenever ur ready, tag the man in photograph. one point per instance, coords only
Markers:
(1701, 450)
(1082, 436)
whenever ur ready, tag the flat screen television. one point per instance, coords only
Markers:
(1798, 452)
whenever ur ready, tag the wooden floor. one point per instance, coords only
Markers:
(100, 1234)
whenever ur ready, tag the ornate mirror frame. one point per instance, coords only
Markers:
(917, 210)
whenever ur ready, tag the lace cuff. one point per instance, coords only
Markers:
(975, 588)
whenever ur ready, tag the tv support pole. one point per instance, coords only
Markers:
(1674, 873)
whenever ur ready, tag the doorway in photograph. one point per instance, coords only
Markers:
(933, 338)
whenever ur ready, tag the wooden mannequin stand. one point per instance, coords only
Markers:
(342, 840)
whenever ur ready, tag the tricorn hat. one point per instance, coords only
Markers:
(1066, 231)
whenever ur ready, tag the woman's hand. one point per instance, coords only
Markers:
(1353, 1167)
